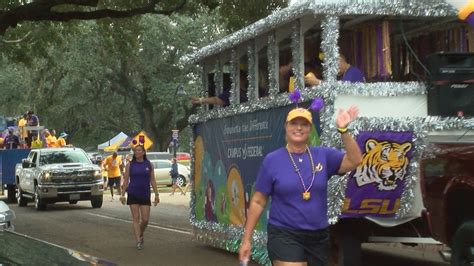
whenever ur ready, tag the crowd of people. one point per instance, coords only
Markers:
(29, 135)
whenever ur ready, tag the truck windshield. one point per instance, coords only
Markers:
(59, 157)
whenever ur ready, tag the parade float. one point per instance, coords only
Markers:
(417, 61)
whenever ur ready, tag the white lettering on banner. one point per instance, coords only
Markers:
(231, 130)
(252, 151)
(249, 126)
(234, 153)
(245, 152)
(255, 125)
(242, 136)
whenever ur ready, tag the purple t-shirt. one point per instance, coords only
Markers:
(11, 142)
(353, 74)
(277, 178)
(139, 184)
(33, 120)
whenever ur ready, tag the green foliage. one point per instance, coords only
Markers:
(237, 15)
(15, 83)
(94, 79)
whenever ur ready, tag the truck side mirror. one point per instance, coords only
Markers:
(25, 163)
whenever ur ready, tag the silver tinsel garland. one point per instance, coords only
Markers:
(337, 185)
(218, 77)
(273, 60)
(252, 89)
(297, 57)
(205, 84)
(420, 8)
(228, 237)
(235, 78)
(330, 26)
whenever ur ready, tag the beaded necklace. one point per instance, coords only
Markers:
(306, 193)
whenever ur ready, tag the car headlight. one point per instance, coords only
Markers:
(98, 174)
(46, 177)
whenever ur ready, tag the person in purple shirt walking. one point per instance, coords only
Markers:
(296, 178)
(137, 179)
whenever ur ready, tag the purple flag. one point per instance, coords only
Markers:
(376, 186)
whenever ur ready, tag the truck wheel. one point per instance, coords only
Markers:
(181, 181)
(96, 202)
(11, 190)
(22, 201)
(462, 253)
(39, 203)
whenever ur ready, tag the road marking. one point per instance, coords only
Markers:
(149, 224)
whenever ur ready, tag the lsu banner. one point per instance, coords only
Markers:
(228, 153)
(375, 187)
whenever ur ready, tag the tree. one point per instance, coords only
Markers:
(117, 75)
(94, 78)
(237, 15)
(15, 12)
(149, 75)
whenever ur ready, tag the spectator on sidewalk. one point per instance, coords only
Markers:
(113, 164)
(174, 177)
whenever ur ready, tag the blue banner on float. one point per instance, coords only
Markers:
(228, 154)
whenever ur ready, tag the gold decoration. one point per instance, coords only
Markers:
(306, 193)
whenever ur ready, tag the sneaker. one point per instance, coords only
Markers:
(171, 194)
(142, 240)
(182, 193)
(139, 245)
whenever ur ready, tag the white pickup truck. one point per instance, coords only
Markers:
(58, 175)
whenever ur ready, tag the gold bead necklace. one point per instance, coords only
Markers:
(306, 193)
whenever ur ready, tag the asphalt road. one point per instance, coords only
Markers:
(107, 233)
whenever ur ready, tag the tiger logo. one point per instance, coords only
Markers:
(383, 163)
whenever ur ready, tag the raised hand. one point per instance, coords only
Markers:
(344, 117)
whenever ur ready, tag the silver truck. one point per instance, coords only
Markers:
(58, 175)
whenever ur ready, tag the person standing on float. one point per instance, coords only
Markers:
(296, 178)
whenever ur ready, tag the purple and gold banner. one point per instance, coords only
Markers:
(376, 186)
